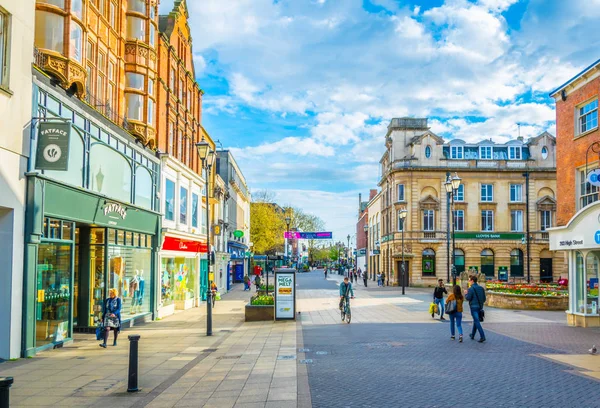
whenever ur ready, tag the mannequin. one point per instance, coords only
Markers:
(140, 292)
(133, 290)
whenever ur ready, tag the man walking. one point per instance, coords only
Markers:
(382, 278)
(438, 297)
(476, 298)
(365, 278)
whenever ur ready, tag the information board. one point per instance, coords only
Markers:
(307, 235)
(285, 294)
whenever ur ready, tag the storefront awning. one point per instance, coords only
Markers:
(185, 245)
(582, 231)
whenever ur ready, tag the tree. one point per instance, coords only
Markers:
(266, 228)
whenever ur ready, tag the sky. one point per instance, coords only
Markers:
(302, 91)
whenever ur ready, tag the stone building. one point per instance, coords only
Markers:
(578, 162)
(490, 207)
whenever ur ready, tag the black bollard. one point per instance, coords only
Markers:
(209, 312)
(132, 385)
(5, 383)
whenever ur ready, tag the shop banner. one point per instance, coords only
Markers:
(177, 244)
(285, 294)
(488, 235)
(53, 146)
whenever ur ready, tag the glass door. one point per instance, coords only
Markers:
(97, 274)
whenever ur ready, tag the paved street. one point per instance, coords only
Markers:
(392, 354)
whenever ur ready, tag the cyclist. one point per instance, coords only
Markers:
(345, 292)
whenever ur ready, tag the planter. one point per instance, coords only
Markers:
(166, 311)
(259, 313)
(526, 302)
(184, 304)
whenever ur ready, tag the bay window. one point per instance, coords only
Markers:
(136, 28)
(49, 31)
(135, 106)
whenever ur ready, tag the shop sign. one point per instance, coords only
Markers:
(285, 294)
(376, 252)
(53, 146)
(362, 251)
(184, 245)
(593, 177)
(112, 210)
(488, 235)
(238, 233)
(217, 230)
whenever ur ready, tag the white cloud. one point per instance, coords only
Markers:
(288, 145)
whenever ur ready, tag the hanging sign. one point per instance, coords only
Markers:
(307, 235)
(593, 177)
(285, 294)
(53, 146)
(238, 233)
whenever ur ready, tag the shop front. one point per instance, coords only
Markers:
(180, 280)
(237, 261)
(580, 239)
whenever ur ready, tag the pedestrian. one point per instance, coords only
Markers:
(438, 297)
(325, 272)
(213, 289)
(355, 277)
(246, 283)
(454, 308)
(111, 316)
(476, 298)
(382, 278)
(365, 278)
(378, 279)
(257, 282)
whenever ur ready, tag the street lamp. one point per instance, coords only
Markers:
(347, 251)
(402, 214)
(287, 230)
(207, 157)
(367, 257)
(452, 184)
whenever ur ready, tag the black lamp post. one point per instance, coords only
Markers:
(402, 213)
(287, 230)
(367, 257)
(347, 253)
(452, 184)
(207, 157)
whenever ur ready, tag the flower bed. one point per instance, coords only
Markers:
(260, 308)
(540, 296)
(532, 289)
(262, 300)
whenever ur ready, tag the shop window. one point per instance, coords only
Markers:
(130, 275)
(74, 175)
(53, 293)
(110, 173)
(183, 202)
(179, 280)
(136, 28)
(194, 210)
(516, 263)
(143, 188)
(459, 260)
(49, 31)
(591, 266)
(97, 268)
(428, 262)
(169, 200)
(487, 262)
(580, 283)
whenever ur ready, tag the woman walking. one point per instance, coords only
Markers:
(111, 316)
(454, 308)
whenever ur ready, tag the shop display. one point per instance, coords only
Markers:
(178, 280)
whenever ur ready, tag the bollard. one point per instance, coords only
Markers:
(209, 312)
(132, 385)
(5, 383)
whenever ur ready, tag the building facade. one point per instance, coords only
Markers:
(361, 238)
(578, 161)
(374, 236)
(491, 208)
(237, 221)
(16, 57)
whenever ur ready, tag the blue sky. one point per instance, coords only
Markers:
(302, 90)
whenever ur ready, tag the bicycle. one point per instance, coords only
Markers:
(345, 311)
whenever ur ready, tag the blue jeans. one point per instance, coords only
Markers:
(456, 316)
(477, 324)
(440, 303)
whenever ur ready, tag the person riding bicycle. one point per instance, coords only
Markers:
(345, 292)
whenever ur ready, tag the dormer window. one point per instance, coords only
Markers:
(456, 152)
(544, 152)
(428, 151)
(514, 152)
(485, 152)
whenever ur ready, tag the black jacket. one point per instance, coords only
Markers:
(438, 292)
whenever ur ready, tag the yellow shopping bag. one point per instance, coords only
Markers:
(432, 308)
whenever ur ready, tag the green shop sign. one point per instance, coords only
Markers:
(53, 146)
(488, 235)
(238, 233)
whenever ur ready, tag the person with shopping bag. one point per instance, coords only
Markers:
(111, 316)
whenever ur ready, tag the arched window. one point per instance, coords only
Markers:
(487, 262)
(110, 172)
(428, 262)
(544, 152)
(516, 262)
(428, 151)
(459, 261)
(143, 188)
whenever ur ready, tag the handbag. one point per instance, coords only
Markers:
(481, 311)
(217, 296)
(111, 321)
(451, 307)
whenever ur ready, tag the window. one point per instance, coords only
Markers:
(136, 28)
(152, 32)
(134, 81)
(456, 152)
(487, 262)
(49, 31)
(3, 49)
(169, 200)
(428, 262)
(150, 119)
(545, 220)
(459, 193)
(112, 16)
(135, 106)
(516, 262)
(587, 193)
(588, 116)
(110, 172)
(485, 152)
(400, 192)
(180, 89)
(137, 5)
(514, 152)
(183, 205)
(516, 220)
(194, 210)
(143, 188)
(150, 86)
(487, 220)
(172, 80)
(516, 193)
(459, 260)
(170, 141)
(77, 8)
(487, 192)
(110, 93)
(400, 222)
(428, 220)
(459, 220)
(544, 152)
(203, 221)
(428, 151)
(100, 80)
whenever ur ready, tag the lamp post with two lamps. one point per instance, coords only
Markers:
(207, 157)
(287, 230)
(452, 185)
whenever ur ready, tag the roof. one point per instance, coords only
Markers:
(576, 77)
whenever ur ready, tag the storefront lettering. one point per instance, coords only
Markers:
(571, 242)
(182, 245)
(115, 208)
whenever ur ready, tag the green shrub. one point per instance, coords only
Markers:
(262, 300)
(271, 287)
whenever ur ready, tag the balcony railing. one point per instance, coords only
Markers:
(103, 106)
(464, 164)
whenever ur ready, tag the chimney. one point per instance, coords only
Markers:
(359, 203)
(372, 193)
